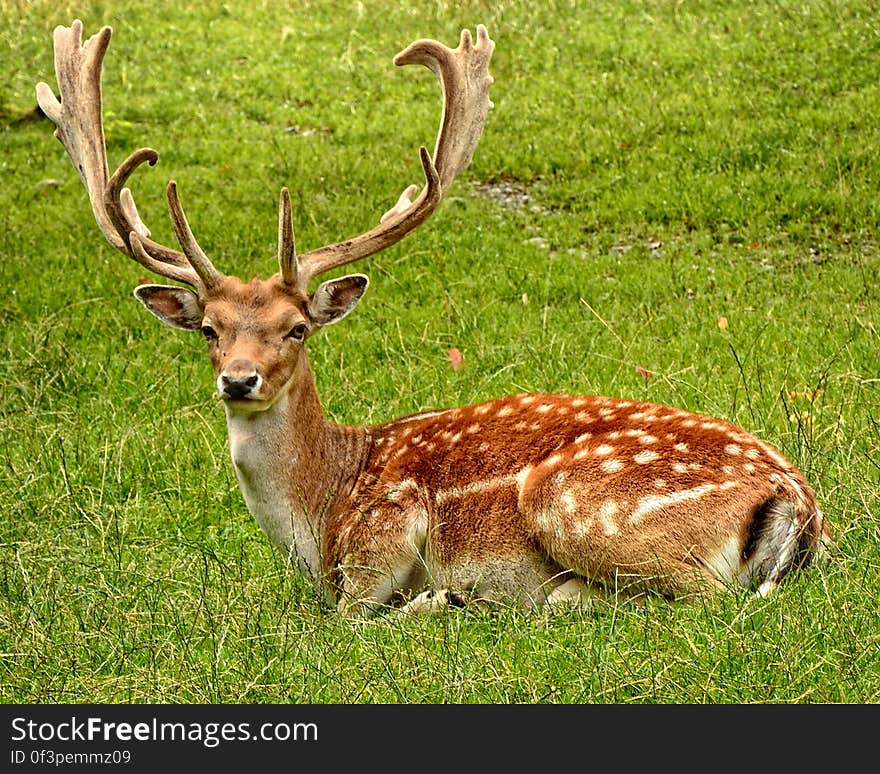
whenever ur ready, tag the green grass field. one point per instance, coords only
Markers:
(649, 169)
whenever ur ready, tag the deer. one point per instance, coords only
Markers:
(533, 500)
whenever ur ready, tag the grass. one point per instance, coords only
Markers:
(665, 165)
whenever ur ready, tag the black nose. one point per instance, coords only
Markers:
(237, 388)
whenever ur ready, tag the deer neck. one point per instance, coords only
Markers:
(294, 466)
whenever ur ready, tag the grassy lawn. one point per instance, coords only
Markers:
(675, 202)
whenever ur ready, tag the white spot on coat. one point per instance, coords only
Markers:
(582, 528)
(653, 503)
(522, 476)
(475, 487)
(612, 466)
(607, 512)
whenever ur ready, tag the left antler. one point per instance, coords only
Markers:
(464, 78)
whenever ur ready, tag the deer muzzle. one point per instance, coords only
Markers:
(239, 381)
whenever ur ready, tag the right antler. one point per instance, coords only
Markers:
(79, 126)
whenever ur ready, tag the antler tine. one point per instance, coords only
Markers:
(286, 244)
(178, 273)
(122, 211)
(209, 276)
(79, 126)
(464, 79)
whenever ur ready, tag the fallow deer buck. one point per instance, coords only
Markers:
(532, 499)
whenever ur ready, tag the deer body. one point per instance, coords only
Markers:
(529, 498)
(534, 499)
(476, 500)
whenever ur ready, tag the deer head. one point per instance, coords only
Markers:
(256, 331)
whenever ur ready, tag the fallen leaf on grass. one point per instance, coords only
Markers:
(644, 372)
(810, 395)
(455, 357)
(722, 323)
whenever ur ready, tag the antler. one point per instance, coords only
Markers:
(79, 126)
(464, 78)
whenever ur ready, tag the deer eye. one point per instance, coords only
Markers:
(209, 333)
(298, 332)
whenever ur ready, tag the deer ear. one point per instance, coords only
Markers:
(334, 299)
(174, 306)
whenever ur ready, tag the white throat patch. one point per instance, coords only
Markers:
(263, 469)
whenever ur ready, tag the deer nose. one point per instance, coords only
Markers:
(236, 383)
(238, 387)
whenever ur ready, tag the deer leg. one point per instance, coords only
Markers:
(432, 601)
(365, 591)
(573, 592)
(384, 562)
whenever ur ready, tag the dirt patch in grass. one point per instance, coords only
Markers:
(511, 194)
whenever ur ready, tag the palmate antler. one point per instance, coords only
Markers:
(79, 126)
(464, 78)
